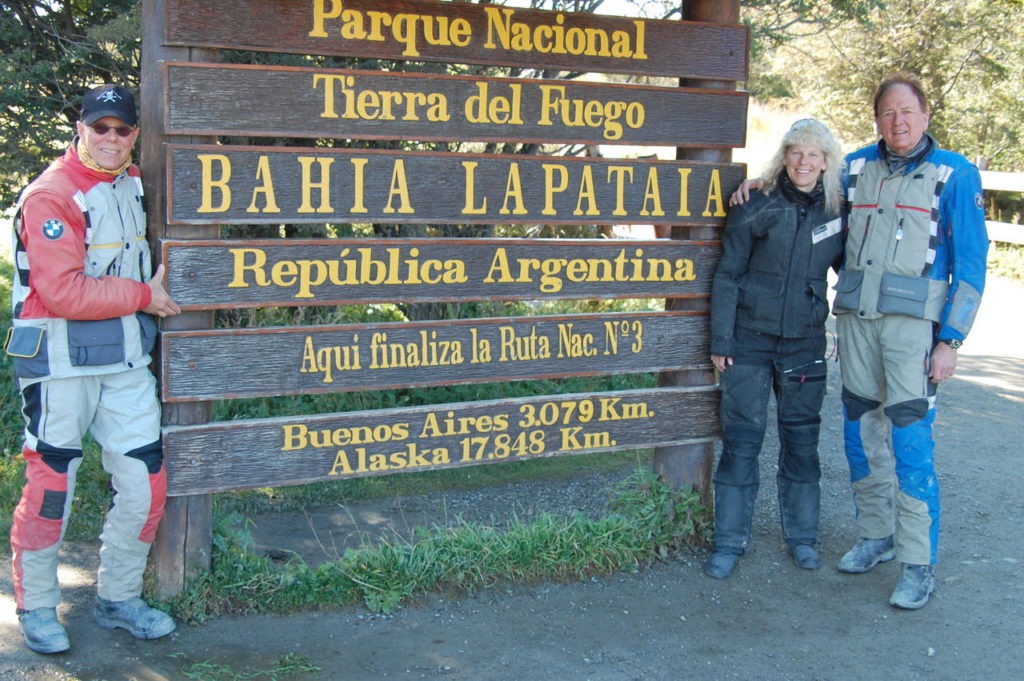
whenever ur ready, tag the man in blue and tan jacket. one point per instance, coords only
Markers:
(911, 284)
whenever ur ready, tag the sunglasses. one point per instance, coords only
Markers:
(122, 131)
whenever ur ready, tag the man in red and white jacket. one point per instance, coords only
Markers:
(84, 302)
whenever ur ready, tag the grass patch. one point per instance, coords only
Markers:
(289, 665)
(646, 521)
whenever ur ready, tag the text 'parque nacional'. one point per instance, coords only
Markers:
(331, 19)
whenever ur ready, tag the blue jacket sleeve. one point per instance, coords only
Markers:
(962, 215)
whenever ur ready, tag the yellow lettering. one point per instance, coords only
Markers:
(513, 190)
(359, 185)
(468, 208)
(587, 192)
(267, 188)
(652, 194)
(400, 189)
(328, 79)
(341, 465)
(556, 181)
(209, 184)
(308, 184)
(294, 437)
(504, 33)
(620, 174)
(254, 266)
(684, 194)
(320, 13)
(715, 196)
(500, 270)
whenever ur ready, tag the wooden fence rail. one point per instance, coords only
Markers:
(1003, 232)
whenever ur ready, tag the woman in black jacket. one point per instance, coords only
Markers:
(768, 312)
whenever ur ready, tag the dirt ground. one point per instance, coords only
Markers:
(771, 621)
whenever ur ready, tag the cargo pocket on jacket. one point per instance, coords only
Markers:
(95, 342)
(848, 289)
(900, 294)
(26, 346)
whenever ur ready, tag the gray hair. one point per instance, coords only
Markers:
(811, 131)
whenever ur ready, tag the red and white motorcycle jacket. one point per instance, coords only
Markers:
(81, 263)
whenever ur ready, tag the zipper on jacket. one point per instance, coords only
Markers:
(863, 243)
(899, 237)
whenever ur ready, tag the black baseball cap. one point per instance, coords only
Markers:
(109, 100)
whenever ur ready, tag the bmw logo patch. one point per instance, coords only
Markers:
(978, 201)
(53, 229)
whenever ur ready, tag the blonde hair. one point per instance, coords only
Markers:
(811, 131)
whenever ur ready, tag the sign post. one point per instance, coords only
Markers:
(690, 465)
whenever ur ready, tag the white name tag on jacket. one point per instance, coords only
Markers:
(826, 230)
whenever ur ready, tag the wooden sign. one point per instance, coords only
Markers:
(464, 32)
(285, 272)
(298, 450)
(253, 362)
(343, 103)
(225, 184)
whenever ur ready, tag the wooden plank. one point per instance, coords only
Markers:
(219, 274)
(222, 363)
(247, 185)
(1005, 232)
(298, 450)
(350, 104)
(992, 180)
(465, 33)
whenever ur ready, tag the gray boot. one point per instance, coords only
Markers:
(866, 554)
(134, 615)
(917, 583)
(43, 631)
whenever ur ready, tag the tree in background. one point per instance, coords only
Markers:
(968, 53)
(54, 51)
(823, 56)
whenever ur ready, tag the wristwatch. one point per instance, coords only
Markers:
(953, 343)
